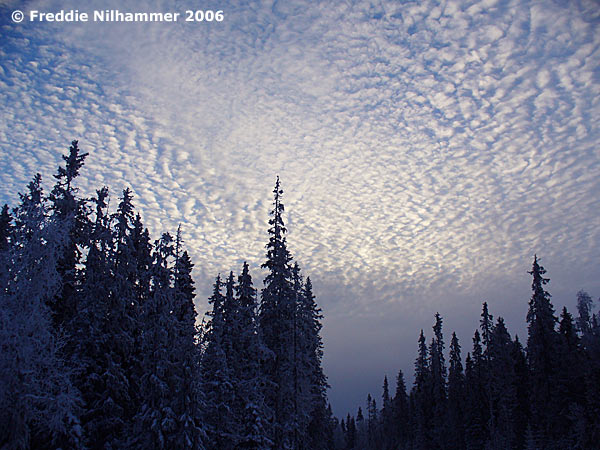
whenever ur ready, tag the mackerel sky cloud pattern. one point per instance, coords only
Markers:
(427, 149)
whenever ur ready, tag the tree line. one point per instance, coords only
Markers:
(545, 396)
(100, 348)
(99, 342)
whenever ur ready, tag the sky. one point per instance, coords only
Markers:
(427, 150)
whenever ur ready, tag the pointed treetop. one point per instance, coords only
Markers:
(278, 257)
(386, 392)
(454, 345)
(538, 280)
(74, 162)
(437, 327)
(540, 307)
(100, 201)
(277, 189)
(164, 249)
(36, 192)
(486, 325)
(217, 296)
(359, 415)
(178, 242)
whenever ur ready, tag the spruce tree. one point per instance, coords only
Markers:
(38, 402)
(188, 401)
(521, 413)
(319, 432)
(589, 326)
(141, 282)
(252, 412)
(422, 398)
(437, 365)
(351, 433)
(456, 398)
(73, 212)
(542, 342)
(301, 370)
(156, 421)
(387, 418)
(476, 413)
(276, 318)
(100, 339)
(217, 375)
(361, 431)
(401, 414)
(371, 422)
(486, 325)
(570, 389)
(501, 392)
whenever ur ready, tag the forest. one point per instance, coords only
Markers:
(544, 396)
(101, 348)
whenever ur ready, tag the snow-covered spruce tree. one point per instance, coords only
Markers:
(100, 341)
(250, 409)
(228, 342)
(141, 281)
(124, 319)
(156, 421)
(38, 403)
(276, 318)
(142, 247)
(301, 364)
(187, 401)
(542, 342)
(73, 212)
(289, 319)
(217, 377)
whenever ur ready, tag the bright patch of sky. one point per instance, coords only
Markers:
(427, 149)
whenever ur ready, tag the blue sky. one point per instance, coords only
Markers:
(427, 149)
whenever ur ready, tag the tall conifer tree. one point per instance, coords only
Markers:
(188, 402)
(38, 402)
(456, 398)
(252, 411)
(73, 213)
(277, 312)
(542, 342)
(217, 377)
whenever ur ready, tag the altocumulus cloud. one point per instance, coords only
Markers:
(427, 149)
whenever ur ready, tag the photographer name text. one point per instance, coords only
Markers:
(114, 15)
